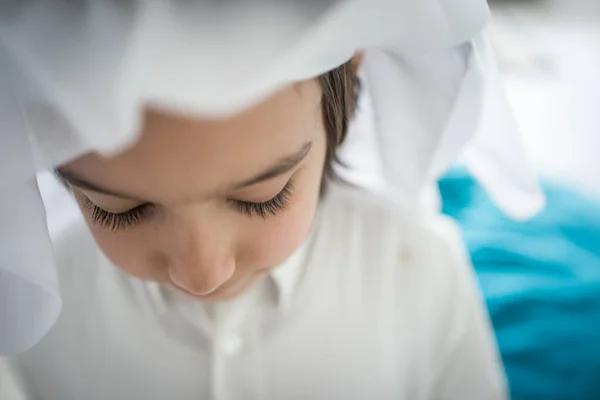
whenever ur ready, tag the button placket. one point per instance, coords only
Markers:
(230, 345)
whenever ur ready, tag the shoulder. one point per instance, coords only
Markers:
(382, 256)
(383, 224)
(392, 248)
(76, 262)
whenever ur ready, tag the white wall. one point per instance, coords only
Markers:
(551, 53)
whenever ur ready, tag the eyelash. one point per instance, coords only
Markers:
(129, 218)
(117, 221)
(266, 208)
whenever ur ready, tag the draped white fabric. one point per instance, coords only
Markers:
(75, 75)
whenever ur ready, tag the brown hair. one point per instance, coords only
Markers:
(340, 93)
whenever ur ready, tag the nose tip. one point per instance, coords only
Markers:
(201, 284)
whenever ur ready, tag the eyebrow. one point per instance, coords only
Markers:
(284, 165)
(279, 168)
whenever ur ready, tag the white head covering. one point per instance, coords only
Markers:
(75, 75)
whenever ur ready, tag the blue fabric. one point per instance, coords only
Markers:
(541, 280)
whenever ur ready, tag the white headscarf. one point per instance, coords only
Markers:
(74, 77)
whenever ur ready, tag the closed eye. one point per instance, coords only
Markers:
(117, 221)
(266, 208)
(130, 218)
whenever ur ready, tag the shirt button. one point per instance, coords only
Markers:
(405, 256)
(230, 345)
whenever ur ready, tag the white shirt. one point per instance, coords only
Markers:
(378, 303)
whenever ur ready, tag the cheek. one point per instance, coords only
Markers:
(130, 254)
(127, 250)
(268, 243)
(271, 242)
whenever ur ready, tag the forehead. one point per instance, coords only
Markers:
(186, 157)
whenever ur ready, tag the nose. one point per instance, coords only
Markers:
(201, 263)
(203, 283)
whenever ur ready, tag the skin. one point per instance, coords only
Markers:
(188, 168)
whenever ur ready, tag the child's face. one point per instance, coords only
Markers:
(208, 206)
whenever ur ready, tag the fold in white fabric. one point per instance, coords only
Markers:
(75, 75)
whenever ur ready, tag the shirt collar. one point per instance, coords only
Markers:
(287, 275)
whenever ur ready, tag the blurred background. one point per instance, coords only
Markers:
(541, 278)
(549, 51)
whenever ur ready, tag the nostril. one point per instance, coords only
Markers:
(185, 287)
(205, 283)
